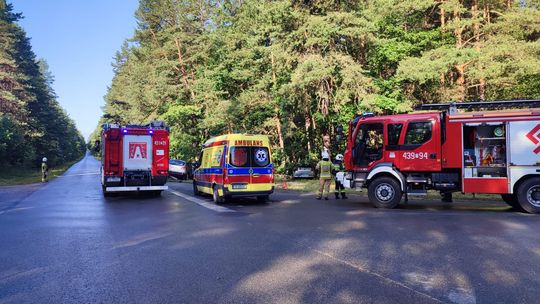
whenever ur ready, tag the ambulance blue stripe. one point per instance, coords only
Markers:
(238, 171)
(245, 171)
(211, 171)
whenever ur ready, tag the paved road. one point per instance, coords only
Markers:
(65, 243)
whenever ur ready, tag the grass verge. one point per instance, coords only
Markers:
(312, 185)
(20, 175)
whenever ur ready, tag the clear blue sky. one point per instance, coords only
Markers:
(78, 39)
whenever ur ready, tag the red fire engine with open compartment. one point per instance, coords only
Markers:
(134, 157)
(495, 152)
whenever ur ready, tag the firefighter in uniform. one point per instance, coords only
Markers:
(338, 168)
(325, 175)
(44, 170)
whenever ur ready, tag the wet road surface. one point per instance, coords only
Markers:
(65, 243)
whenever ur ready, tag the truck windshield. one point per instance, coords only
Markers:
(249, 156)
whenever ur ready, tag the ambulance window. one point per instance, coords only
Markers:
(239, 156)
(418, 132)
(394, 131)
(261, 156)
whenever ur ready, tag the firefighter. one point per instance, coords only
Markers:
(44, 170)
(338, 168)
(325, 175)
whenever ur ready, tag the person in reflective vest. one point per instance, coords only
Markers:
(325, 176)
(339, 173)
(44, 170)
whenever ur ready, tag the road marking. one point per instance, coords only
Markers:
(201, 202)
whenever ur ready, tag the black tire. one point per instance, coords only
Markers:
(263, 198)
(196, 191)
(385, 192)
(511, 200)
(156, 193)
(217, 198)
(105, 193)
(528, 195)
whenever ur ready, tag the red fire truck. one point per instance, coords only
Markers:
(134, 157)
(449, 150)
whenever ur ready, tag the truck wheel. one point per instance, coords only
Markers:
(196, 191)
(528, 195)
(511, 200)
(105, 193)
(156, 193)
(217, 198)
(384, 192)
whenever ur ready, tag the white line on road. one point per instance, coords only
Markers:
(201, 202)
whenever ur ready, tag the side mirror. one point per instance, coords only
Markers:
(196, 165)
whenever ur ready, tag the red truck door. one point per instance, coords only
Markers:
(420, 145)
(367, 144)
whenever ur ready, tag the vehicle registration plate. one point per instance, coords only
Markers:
(239, 186)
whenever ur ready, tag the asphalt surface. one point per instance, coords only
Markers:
(63, 242)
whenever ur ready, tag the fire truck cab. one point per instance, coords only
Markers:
(134, 157)
(493, 152)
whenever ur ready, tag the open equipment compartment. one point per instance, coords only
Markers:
(484, 150)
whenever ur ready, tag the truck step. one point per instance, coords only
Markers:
(418, 192)
(415, 179)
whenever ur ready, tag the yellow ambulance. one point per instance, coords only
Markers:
(235, 165)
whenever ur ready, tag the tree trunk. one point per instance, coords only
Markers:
(307, 121)
(276, 109)
(280, 132)
(442, 16)
(362, 52)
(273, 61)
(183, 68)
(476, 33)
(460, 68)
(307, 125)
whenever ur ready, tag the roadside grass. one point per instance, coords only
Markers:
(20, 176)
(312, 185)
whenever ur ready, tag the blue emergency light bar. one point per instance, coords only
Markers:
(368, 114)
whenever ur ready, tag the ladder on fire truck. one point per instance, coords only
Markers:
(453, 107)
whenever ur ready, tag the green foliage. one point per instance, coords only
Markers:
(32, 123)
(296, 69)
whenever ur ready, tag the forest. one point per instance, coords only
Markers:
(296, 70)
(33, 125)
